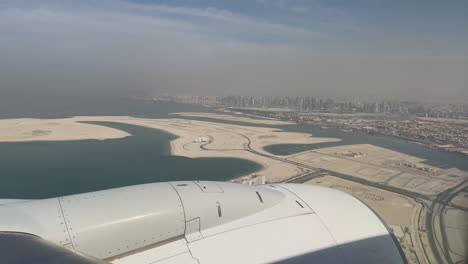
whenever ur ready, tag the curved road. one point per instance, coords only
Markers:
(440, 249)
(437, 203)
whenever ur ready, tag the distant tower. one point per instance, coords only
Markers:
(301, 105)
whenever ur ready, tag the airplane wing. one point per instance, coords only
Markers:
(197, 222)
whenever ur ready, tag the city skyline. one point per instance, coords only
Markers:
(331, 104)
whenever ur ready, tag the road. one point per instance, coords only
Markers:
(440, 245)
(339, 175)
(435, 204)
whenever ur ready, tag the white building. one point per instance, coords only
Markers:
(253, 179)
(201, 140)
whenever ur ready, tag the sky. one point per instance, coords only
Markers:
(395, 49)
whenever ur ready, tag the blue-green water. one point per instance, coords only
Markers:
(433, 157)
(51, 168)
(47, 169)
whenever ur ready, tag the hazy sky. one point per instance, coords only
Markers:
(405, 49)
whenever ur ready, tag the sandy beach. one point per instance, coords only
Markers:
(212, 139)
(245, 118)
(28, 129)
(198, 139)
(383, 166)
(195, 138)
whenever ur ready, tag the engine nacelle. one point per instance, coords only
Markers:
(209, 222)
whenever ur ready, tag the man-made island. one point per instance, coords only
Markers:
(421, 203)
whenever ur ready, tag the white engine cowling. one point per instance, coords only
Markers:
(209, 222)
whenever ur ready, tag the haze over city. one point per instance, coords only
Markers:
(401, 50)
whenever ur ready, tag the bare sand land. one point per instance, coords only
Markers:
(383, 166)
(394, 208)
(26, 129)
(262, 121)
(456, 229)
(275, 109)
(196, 138)
(357, 115)
(443, 120)
(210, 139)
(462, 198)
(401, 213)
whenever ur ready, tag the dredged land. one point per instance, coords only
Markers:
(399, 187)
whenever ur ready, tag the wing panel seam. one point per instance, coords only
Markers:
(65, 223)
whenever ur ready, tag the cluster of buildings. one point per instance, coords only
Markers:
(441, 126)
(351, 154)
(254, 179)
(202, 140)
(316, 104)
(417, 166)
(329, 105)
(447, 135)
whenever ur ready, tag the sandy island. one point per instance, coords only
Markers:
(28, 129)
(210, 139)
(195, 138)
(244, 118)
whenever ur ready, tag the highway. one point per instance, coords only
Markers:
(435, 204)
(321, 171)
(440, 245)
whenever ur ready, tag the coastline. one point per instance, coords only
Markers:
(369, 128)
(230, 141)
(31, 129)
(389, 181)
(203, 139)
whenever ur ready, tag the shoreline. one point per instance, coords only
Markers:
(226, 141)
(460, 149)
(199, 139)
(63, 129)
(389, 181)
